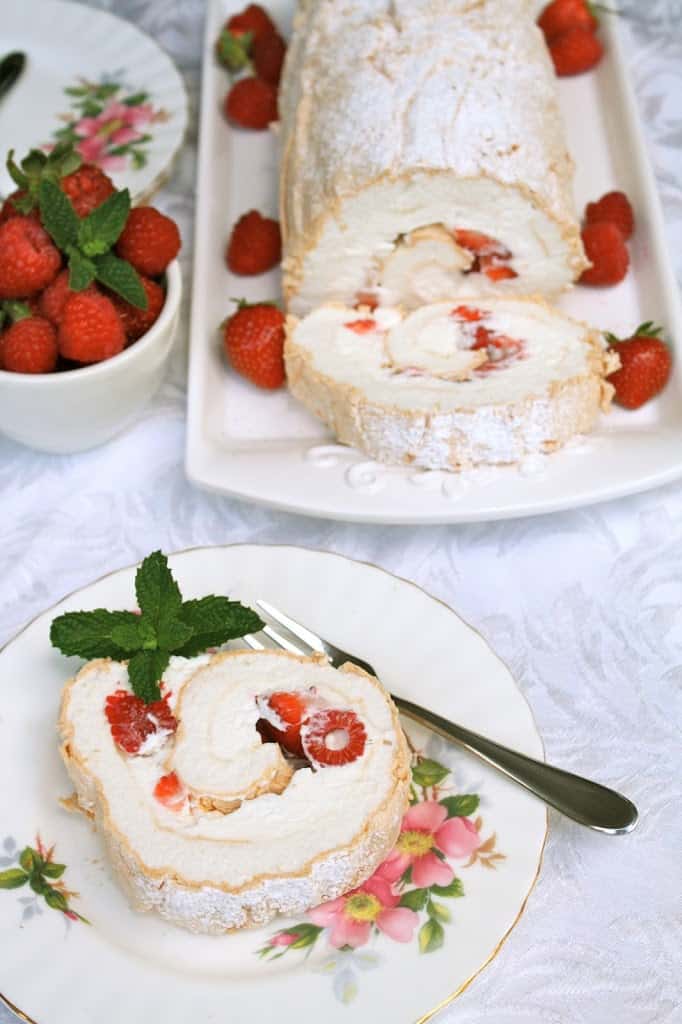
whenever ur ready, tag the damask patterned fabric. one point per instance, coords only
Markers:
(585, 607)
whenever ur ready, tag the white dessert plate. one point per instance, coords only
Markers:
(124, 966)
(266, 448)
(97, 80)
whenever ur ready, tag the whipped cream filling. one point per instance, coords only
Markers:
(216, 703)
(406, 360)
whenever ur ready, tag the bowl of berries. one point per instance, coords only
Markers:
(89, 299)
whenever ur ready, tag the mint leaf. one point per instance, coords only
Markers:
(58, 215)
(158, 595)
(431, 936)
(89, 634)
(429, 773)
(460, 806)
(16, 310)
(12, 878)
(233, 51)
(214, 621)
(15, 172)
(451, 891)
(173, 635)
(415, 899)
(131, 636)
(120, 277)
(145, 669)
(99, 230)
(81, 271)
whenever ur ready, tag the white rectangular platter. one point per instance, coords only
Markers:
(264, 447)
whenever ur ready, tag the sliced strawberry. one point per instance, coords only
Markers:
(501, 348)
(495, 269)
(361, 326)
(482, 245)
(468, 313)
(170, 792)
(332, 737)
(287, 710)
(132, 721)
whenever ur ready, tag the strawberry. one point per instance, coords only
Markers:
(365, 326)
(495, 269)
(149, 240)
(332, 737)
(482, 245)
(10, 210)
(500, 348)
(255, 244)
(561, 15)
(253, 19)
(607, 252)
(289, 709)
(251, 103)
(574, 51)
(613, 207)
(29, 346)
(645, 365)
(51, 301)
(132, 721)
(90, 329)
(267, 53)
(87, 188)
(468, 314)
(170, 792)
(136, 321)
(253, 339)
(28, 259)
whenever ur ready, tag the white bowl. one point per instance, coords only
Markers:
(79, 409)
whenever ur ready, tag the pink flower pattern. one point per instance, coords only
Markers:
(426, 829)
(117, 125)
(350, 917)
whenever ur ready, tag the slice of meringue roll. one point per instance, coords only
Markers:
(423, 155)
(207, 819)
(453, 384)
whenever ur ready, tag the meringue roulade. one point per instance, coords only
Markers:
(452, 384)
(261, 784)
(423, 155)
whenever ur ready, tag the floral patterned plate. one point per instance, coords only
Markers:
(398, 948)
(95, 80)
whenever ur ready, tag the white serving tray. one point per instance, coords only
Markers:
(265, 448)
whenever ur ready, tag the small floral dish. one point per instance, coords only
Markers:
(397, 948)
(78, 409)
(94, 80)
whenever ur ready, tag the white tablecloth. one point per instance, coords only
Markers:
(586, 608)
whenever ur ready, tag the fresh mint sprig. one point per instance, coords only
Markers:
(166, 626)
(87, 241)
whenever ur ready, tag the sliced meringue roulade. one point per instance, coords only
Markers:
(453, 384)
(423, 155)
(217, 825)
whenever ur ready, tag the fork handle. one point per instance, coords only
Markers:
(584, 801)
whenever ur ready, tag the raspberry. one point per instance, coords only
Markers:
(251, 103)
(137, 322)
(132, 721)
(149, 240)
(289, 709)
(255, 244)
(332, 737)
(253, 19)
(468, 314)
(364, 326)
(268, 52)
(170, 792)
(561, 15)
(90, 329)
(87, 188)
(29, 346)
(28, 259)
(51, 301)
(607, 252)
(482, 245)
(614, 207)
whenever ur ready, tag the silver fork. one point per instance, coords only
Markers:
(584, 801)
